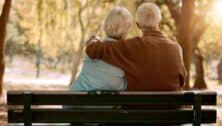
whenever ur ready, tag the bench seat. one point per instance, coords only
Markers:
(22, 107)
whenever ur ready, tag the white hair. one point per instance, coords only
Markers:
(117, 22)
(148, 15)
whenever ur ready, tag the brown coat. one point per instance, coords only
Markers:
(151, 62)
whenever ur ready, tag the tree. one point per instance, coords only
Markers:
(201, 25)
(200, 82)
(219, 71)
(50, 33)
(89, 8)
(185, 33)
(3, 23)
(191, 25)
(39, 49)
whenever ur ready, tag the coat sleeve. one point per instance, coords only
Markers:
(111, 52)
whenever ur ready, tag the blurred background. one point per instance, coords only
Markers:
(45, 38)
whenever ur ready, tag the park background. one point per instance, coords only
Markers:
(45, 39)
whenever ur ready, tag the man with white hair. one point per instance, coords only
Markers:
(151, 62)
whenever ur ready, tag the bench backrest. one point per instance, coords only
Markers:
(30, 114)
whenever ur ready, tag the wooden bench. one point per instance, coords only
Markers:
(22, 107)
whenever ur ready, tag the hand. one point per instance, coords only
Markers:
(92, 39)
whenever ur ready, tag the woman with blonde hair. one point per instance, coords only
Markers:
(97, 74)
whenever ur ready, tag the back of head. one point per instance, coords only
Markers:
(117, 22)
(148, 16)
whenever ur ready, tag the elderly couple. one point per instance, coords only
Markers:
(151, 62)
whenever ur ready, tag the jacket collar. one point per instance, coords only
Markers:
(155, 33)
(111, 39)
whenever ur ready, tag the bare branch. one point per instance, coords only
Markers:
(6, 10)
(3, 22)
(91, 15)
(81, 22)
(175, 12)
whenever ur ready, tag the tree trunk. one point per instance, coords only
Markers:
(84, 27)
(200, 82)
(219, 71)
(184, 20)
(38, 57)
(76, 64)
(185, 35)
(39, 49)
(3, 23)
(82, 44)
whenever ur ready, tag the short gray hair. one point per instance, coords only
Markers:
(117, 22)
(148, 15)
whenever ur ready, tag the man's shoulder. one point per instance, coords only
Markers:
(176, 44)
(173, 43)
(176, 47)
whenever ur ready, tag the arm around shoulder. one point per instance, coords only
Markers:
(111, 52)
(94, 50)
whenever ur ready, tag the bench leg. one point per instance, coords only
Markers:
(197, 110)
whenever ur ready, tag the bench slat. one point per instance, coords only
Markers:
(120, 98)
(112, 116)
